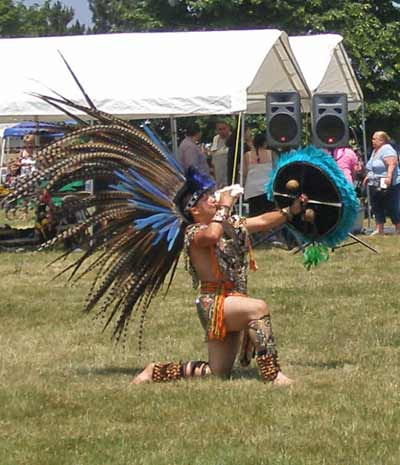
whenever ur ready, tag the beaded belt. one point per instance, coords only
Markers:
(222, 289)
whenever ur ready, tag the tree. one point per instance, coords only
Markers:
(51, 18)
(10, 18)
(130, 15)
(176, 15)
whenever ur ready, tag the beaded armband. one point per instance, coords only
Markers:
(221, 215)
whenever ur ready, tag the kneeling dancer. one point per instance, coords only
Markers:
(145, 211)
(217, 248)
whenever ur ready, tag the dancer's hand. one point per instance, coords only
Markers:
(299, 204)
(228, 195)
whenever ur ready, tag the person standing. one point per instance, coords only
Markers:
(219, 153)
(189, 153)
(257, 167)
(347, 161)
(27, 156)
(234, 150)
(383, 180)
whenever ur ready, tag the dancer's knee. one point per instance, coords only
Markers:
(259, 310)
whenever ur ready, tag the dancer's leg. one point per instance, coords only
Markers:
(222, 354)
(161, 372)
(253, 314)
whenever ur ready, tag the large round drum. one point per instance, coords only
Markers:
(333, 205)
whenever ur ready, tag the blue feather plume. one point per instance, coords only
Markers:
(160, 144)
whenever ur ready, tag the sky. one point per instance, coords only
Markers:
(81, 8)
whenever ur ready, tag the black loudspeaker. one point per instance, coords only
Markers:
(283, 119)
(330, 126)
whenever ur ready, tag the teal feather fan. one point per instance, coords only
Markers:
(303, 165)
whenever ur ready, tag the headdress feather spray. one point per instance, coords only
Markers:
(135, 227)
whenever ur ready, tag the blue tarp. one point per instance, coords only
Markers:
(31, 127)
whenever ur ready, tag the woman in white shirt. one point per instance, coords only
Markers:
(257, 167)
(26, 156)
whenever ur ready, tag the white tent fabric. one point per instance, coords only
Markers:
(326, 66)
(150, 74)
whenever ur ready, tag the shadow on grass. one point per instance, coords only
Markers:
(108, 371)
(237, 373)
(245, 373)
(329, 365)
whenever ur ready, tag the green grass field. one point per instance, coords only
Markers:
(65, 396)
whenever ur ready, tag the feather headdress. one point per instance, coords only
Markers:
(135, 227)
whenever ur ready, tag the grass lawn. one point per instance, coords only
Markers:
(65, 396)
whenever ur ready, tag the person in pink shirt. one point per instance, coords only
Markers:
(347, 161)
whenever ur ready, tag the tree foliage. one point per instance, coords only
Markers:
(48, 19)
(9, 18)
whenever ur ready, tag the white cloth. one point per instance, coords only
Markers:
(257, 176)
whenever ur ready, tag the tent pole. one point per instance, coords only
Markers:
(174, 135)
(3, 146)
(366, 159)
(37, 137)
(242, 130)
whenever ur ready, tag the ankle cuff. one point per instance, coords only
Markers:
(268, 365)
(167, 372)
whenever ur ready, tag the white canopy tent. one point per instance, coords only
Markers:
(326, 66)
(145, 75)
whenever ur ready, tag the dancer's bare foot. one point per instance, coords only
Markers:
(282, 380)
(144, 376)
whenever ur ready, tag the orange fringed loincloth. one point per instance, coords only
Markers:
(210, 306)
